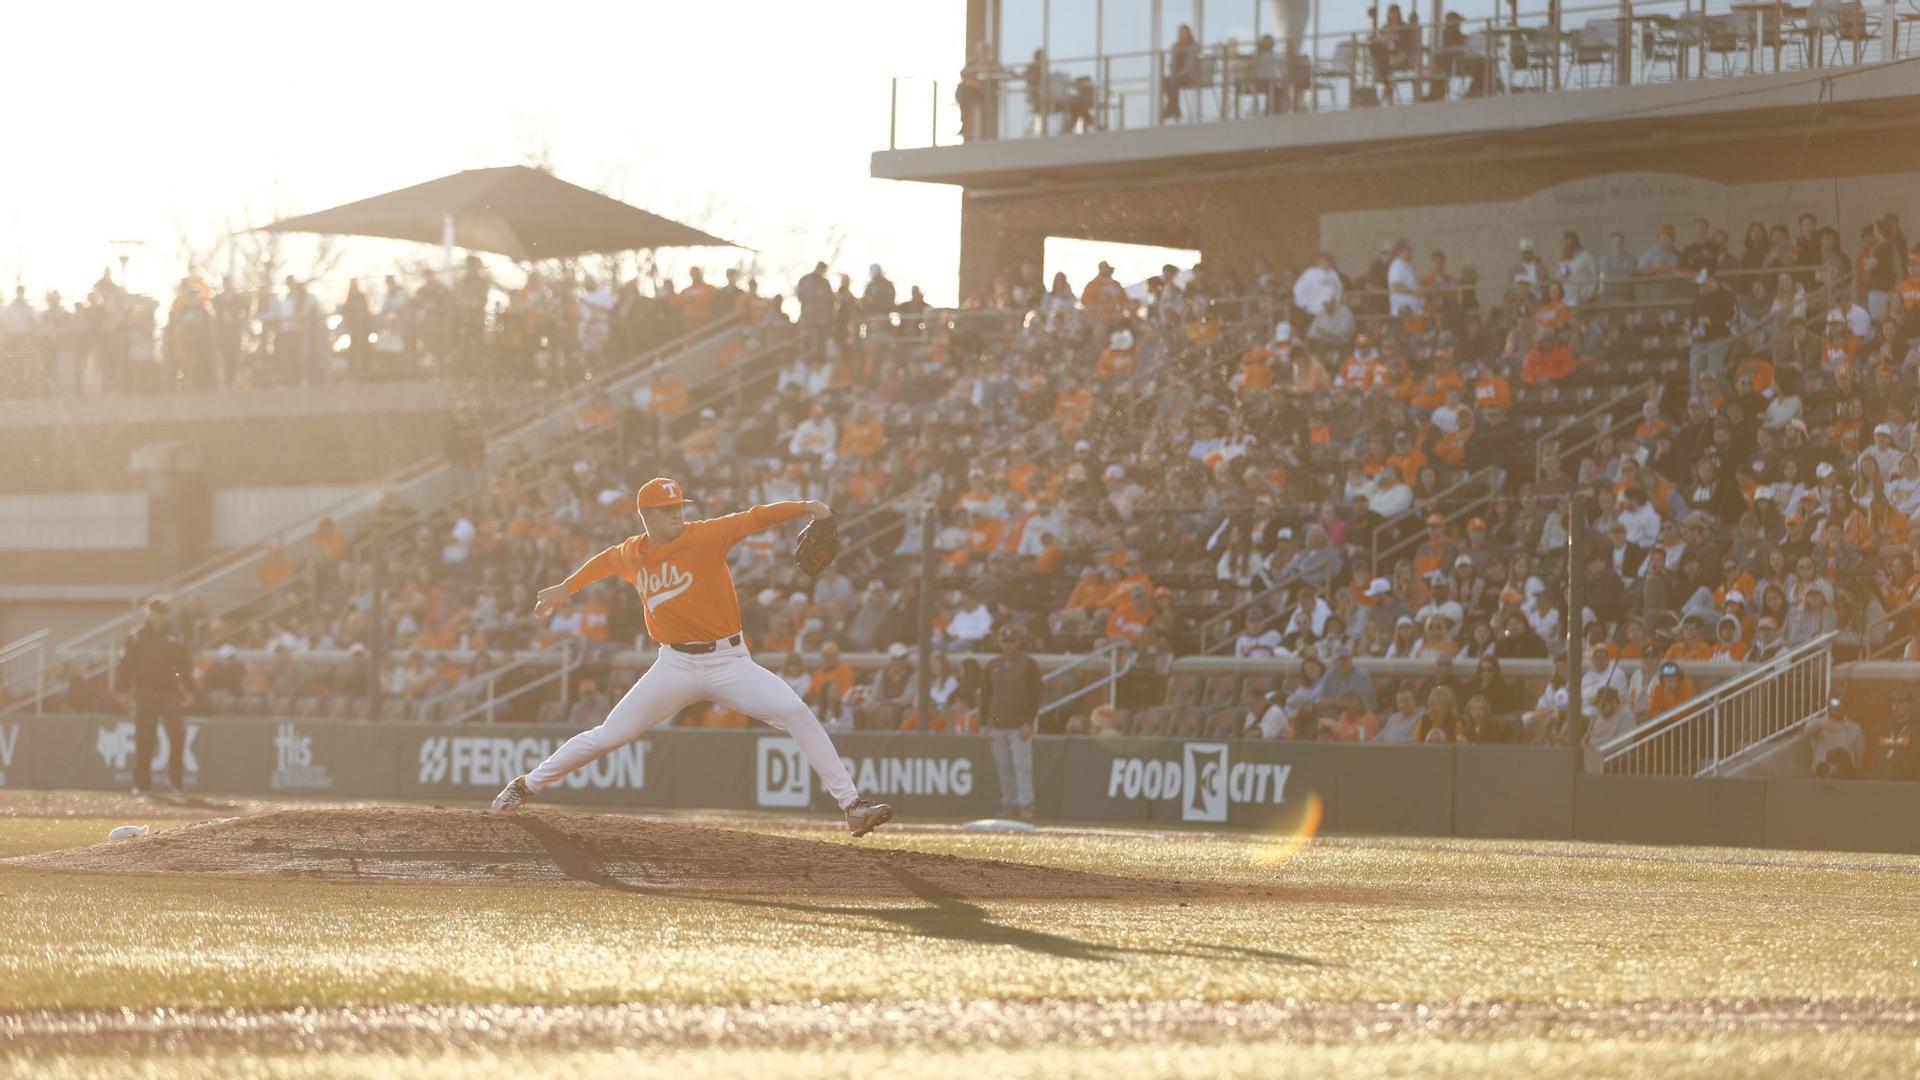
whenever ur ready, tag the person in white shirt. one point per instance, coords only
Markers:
(1577, 273)
(1601, 673)
(1641, 520)
(1529, 269)
(1542, 616)
(1318, 285)
(1442, 605)
(1609, 719)
(1256, 639)
(1403, 285)
(1549, 712)
(1884, 450)
(971, 623)
(817, 436)
(1274, 720)
(1903, 491)
(1390, 496)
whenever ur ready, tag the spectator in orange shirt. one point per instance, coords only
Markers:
(276, 568)
(667, 396)
(1547, 362)
(1116, 360)
(1104, 298)
(1130, 615)
(1406, 458)
(1693, 644)
(865, 435)
(1553, 313)
(1672, 690)
(833, 670)
(1491, 389)
(1071, 408)
(695, 302)
(1093, 589)
(597, 416)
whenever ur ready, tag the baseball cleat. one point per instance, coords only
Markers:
(863, 817)
(511, 797)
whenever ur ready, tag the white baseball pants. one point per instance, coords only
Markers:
(676, 680)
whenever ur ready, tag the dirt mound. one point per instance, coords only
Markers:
(633, 853)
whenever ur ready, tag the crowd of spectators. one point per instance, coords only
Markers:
(217, 336)
(1210, 461)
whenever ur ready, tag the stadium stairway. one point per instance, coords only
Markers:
(227, 582)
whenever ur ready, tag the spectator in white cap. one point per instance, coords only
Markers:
(1528, 268)
(1385, 607)
(1884, 451)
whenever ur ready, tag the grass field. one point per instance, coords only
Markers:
(1358, 957)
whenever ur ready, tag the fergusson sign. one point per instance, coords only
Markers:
(493, 761)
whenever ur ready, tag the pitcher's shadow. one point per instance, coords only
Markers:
(943, 915)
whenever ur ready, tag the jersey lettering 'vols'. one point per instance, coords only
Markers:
(684, 585)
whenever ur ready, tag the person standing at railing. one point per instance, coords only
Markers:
(1884, 266)
(1617, 266)
(1182, 72)
(1578, 273)
(976, 94)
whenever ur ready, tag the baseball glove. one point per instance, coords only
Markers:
(819, 542)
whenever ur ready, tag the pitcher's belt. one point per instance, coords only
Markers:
(701, 648)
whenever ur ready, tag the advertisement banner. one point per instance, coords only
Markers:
(929, 775)
(13, 763)
(475, 763)
(1163, 781)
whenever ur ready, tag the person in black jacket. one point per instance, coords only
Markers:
(1009, 703)
(158, 672)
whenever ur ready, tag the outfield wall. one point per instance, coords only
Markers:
(1496, 792)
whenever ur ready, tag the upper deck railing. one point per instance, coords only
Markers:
(1512, 52)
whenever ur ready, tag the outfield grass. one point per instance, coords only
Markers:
(1650, 945)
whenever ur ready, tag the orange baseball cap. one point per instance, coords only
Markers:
(659, 492)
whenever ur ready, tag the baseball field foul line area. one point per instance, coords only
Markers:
(289, 939)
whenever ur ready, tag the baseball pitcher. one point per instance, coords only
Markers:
(679, 568)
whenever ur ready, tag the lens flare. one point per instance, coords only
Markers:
(1280, 846)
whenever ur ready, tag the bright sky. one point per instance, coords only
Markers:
(752, 119)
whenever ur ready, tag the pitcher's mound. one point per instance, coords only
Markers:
(397, 843)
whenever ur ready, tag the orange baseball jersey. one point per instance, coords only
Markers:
(685, 586)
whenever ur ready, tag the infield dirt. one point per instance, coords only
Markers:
(556, 847)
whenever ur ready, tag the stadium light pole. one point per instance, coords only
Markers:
(1576, 631)
(376, 618)
(925, 681)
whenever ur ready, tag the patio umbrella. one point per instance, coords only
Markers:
(516, 211)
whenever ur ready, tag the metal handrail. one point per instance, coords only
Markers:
(1545, 45)
(1703, 760)
(1592, 437)
(33, 645)
(1488, 476)
(1114, 652)
(571, 653)
(1890, 620)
